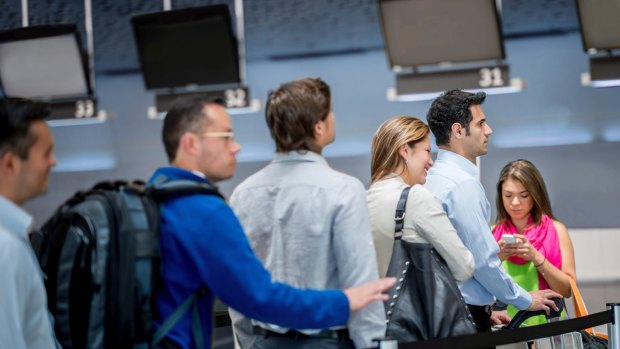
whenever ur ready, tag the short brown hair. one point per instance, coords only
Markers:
(293, 110)
(528, 175)
(390, 136)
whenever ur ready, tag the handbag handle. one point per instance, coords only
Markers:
(399, 218)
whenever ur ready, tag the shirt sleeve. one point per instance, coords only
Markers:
(467, 212)
(432, 223)
(356, 259)
(235, 275)
(12, 305)
(24, 318)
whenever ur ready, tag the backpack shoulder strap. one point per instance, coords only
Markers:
(177, 314)
(163, 188)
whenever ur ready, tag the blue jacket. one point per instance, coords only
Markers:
(203, 244)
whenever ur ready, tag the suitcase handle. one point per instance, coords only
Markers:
(523, 315)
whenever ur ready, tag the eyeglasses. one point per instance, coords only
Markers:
(228, 136)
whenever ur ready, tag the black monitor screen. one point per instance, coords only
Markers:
(600, 23)
(423, 32)
(189, 46)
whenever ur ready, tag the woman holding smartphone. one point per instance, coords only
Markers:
(541, 255)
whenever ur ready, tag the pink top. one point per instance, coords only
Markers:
(544, 238)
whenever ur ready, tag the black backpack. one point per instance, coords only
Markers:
(100, 254)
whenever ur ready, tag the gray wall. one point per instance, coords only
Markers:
(571, 132)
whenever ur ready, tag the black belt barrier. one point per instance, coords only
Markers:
(502, 337)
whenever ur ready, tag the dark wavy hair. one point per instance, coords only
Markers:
(449, 108)
(16, 116)
(293, 110)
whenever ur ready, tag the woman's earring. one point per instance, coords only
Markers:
(406, 161)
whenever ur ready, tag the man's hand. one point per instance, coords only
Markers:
(360, 296)
(500, 317)
(541, 300)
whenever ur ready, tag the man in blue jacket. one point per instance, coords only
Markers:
(205, 247)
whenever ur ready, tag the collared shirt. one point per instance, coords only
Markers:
(425, 222)
(454, 181)
(310, 225)
(24, 318)
(199, 174)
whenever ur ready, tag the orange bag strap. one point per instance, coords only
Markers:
(580, 307)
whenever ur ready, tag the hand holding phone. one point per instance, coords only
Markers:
(509, 238)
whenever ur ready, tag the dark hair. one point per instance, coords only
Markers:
(16, 116)
(449, 108)
(185, 115)
(293, 110)
(528, 175)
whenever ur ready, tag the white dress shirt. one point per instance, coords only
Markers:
(24, 318)
(425, 222)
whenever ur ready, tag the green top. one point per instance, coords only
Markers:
(526, 276)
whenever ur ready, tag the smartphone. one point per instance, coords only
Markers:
(509, 238)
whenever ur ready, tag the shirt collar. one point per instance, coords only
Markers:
(390, 182)
(458, 160)
(199, 174)
(14, 219)
(299, 156)
(163, 174)
(391, 178)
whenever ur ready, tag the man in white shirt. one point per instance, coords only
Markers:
(26, 158)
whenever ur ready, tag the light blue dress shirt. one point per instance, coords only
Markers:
(24, 318)
(454, 181)
(310, 225)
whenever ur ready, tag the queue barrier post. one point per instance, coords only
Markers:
(613, 328)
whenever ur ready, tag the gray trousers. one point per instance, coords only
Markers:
(309, 343)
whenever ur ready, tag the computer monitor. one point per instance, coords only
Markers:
(600, 24)
(429, 32)
(43, 62)
(193, 46)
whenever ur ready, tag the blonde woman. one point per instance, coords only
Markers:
(401, 156)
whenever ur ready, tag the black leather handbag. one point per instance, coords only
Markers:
(426, 302)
